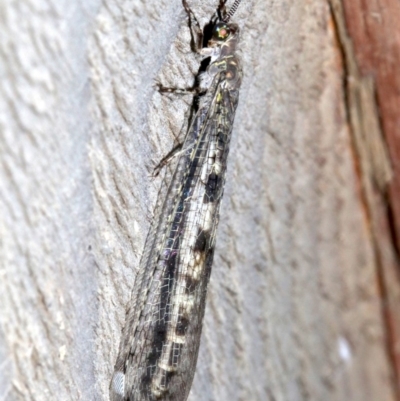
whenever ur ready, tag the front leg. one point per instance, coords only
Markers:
(196, 33)
(221, 9)
(176, 151)
(193, 90)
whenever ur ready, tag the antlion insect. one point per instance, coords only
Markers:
(160, 341)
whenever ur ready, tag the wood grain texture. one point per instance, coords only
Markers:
(295, 308)
(374, 30)
(370, 45)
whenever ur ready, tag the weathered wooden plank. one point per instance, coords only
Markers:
(367, 32)
(301, 316)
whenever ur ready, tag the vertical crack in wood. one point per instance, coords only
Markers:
(375, 172)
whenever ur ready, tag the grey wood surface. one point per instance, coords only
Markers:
(294, 309)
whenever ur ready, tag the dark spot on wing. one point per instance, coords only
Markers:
(160, 327)
(182, 325)
(211, 188)
(190, 284)
(202, 240)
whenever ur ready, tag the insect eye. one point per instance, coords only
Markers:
(221, 31)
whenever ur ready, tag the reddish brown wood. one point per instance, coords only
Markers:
(374, 28)
(375, 31)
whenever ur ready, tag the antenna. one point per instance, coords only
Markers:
(232, 10)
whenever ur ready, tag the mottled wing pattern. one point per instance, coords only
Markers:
(168, 308)
(161, 338)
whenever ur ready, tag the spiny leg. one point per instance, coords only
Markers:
(196, 43)
(193, 90)
(221, 9)
(177, 149)
(196, 32)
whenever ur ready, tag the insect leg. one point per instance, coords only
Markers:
(221, 9)
(176, 151)
(196, 33)
(194, 90)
